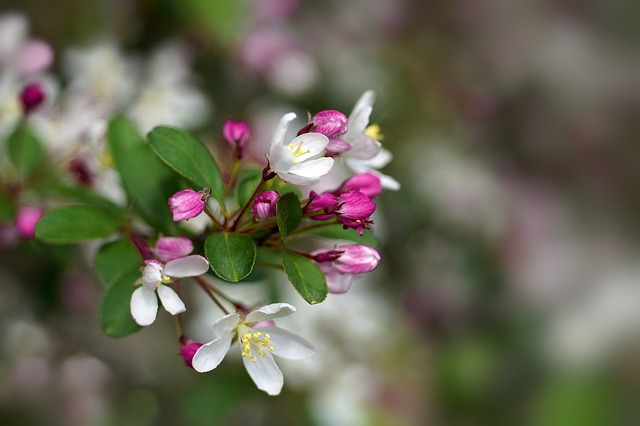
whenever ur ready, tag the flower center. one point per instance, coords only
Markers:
(297, 152)
(373, 131)
(252, 340)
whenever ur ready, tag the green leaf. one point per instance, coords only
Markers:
(147, 180)
(247, 183)
(24, 149)
(74, 224)
(289, 213)
(305, 276)
(116, 260)
(115, 311)
(231, 256)
(337, 232)
(188, 157)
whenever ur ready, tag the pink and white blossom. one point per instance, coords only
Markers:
(300, 161)
(257, 343)
(26, 221)
(156, 278)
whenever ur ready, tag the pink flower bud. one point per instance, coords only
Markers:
(31, 97)
(357, 259)
(323, 201)
(330, 123)
(188, 350)
(236, 133)
(265, 205)
(187, 204)
(169, 248)
(26, 220)
(367, 183)
(355, 205)
(342, 264)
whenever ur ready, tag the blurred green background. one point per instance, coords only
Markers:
(509, 289)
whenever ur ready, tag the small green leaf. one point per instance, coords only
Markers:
(231, 256)
(188, 157)
(24, 149)
(337, 232)
(289, 213)
(306, 277)
(147, 180)
(115, 311)
(74, 224)
(117, 259)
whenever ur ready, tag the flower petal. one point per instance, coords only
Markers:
(313, 168)
(170, 300)
(190, 266)
(281, 130)
(152, 274)
(169, 248)
(144, 306)
(211, 354)
(365, 100)
(358, 122)
(363, 147)
(298, 180)
(281, 158)
(287, 344)
(312, 145)
(270, 312)
(265, 374)
(225, 325)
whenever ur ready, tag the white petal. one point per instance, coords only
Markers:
(314, 143)
(383, 158)
(190, 266)
(363, 147)
(170, 300)
(298, 180)
(338, 283)
(281, 158)
(366, 100)
(225, 325)
(144, 306)
(312, 168)
(278, 136)
(152, 274)
(388, 182)
(270, 312)
(288, 345)
(265, 373)
(358, 121)
(211, 354)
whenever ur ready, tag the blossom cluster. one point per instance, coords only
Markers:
(172, 217)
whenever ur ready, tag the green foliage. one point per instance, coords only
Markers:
(116, 259)
(24, 149)
(74, 224)
(188, 157)
(117, 266)
(306, 277)
(147, 180)
(289, 213)
(231, 256)
(115, 313)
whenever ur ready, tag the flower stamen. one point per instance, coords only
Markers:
(297, 151)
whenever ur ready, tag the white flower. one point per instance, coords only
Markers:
(297, 162)
(144, 304)
(257, 345)
(366, 153)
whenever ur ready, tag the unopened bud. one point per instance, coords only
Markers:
(26, 220)
(265, 205)
(236, 133)
(187, 204)
(31, 97)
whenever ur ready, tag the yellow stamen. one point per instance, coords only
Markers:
(373, 131)
(297, 151)
(251, 341)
